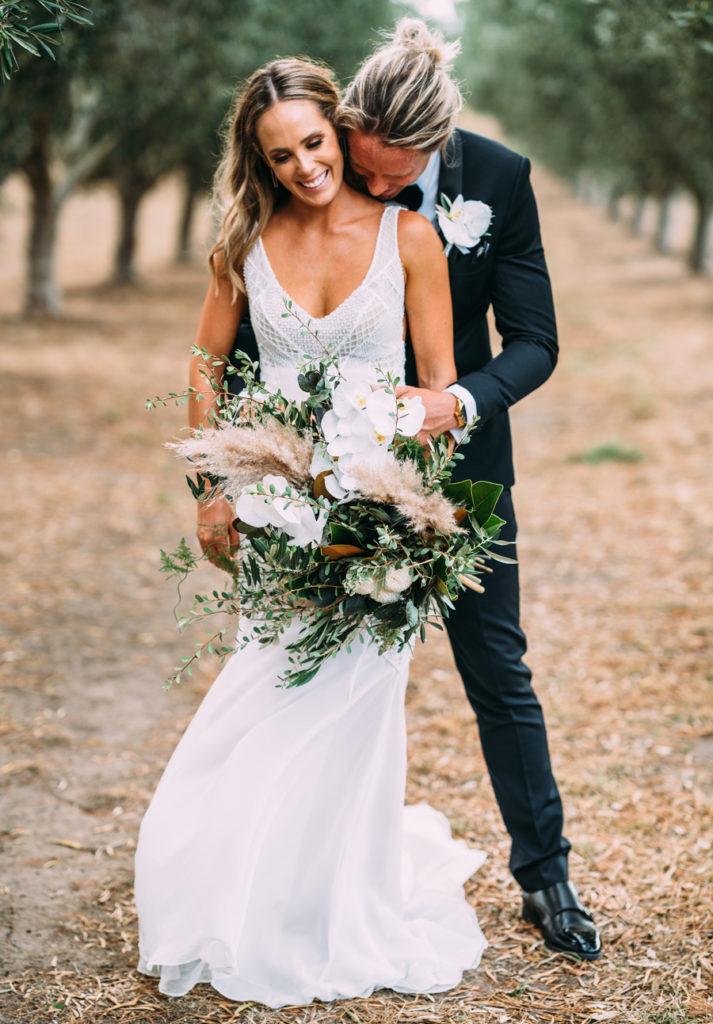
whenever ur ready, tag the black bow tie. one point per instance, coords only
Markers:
(411, 196)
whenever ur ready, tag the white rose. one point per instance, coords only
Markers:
(363, 587)
(356, 583)
(398, 579)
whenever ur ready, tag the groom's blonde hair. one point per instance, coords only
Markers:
(405, 93)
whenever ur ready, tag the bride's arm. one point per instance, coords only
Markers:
(219, 321)
(430, 317)
(428, 301)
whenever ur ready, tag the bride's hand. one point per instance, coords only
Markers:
(216, 536)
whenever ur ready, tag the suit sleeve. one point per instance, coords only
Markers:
(524, 311)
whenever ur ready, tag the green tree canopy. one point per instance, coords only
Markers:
(621, 89)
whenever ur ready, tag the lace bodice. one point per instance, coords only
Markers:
(367, 327)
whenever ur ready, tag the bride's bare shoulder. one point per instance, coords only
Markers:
(417, 237)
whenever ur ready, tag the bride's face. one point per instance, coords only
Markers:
(302, 148)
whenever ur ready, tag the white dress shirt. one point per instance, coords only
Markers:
(428, 183)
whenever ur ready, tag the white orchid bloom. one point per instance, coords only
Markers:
(411, 414)
(354, 391)
(309, 527)
(282, 509)
(349, 445)
(362, 422)
(260, 509)
(464, 223)
(322, 463)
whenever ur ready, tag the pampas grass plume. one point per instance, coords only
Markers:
(242, 455)
(401, 484)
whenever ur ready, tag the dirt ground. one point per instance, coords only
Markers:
(617, 601)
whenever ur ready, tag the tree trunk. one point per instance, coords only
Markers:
(42, 294)
(131, 192)
(185, 224)
(699, 245)
(662, 221)
(637, 216)
(613, 202)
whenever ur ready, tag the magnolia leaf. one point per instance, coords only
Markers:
(460, 493)
(247, 529)
(493, 525)
(335, 551)
(485, 498)
(342, 535)
(319, 489)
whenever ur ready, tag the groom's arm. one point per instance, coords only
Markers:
(524, 311)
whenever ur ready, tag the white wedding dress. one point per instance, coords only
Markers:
(277, 860)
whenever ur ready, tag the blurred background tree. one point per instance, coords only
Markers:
(142, 94)
(615, 91)
(614, 95)
(49, 118)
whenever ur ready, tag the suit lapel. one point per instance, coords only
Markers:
(450, 178)
(450, 182)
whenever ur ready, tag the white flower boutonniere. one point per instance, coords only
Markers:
(463, 222)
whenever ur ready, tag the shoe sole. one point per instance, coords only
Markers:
(530, 918)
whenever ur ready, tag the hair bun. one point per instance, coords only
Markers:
(415, 35)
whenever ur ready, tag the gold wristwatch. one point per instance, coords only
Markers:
(459, 413)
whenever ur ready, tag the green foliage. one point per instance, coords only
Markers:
(341, 37)
(610, 452)
(18, 28)
(178, 562)
(143, 93)
(622, 89)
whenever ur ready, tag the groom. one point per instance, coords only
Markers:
(401, 108)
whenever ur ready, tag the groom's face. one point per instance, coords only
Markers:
(385, 169)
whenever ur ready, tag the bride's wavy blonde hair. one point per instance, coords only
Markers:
(245, 189)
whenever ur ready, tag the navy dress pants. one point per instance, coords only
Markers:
(489, 645)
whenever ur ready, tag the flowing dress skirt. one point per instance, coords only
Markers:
(277, 860)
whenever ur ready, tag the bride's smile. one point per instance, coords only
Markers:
(317, 182)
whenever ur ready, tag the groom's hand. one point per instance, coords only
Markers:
(440, 409)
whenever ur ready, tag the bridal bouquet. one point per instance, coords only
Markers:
(349, 526)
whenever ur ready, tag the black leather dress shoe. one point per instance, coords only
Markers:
(567, 927)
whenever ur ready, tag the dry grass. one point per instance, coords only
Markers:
(616, 602)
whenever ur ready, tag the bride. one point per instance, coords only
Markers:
(276, 860)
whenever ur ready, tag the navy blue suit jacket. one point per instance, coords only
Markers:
(511, 276)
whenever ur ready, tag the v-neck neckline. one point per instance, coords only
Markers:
(349, 297)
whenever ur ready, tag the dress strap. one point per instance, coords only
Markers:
(387, 246)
